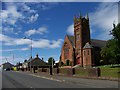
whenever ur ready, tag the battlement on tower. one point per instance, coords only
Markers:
(81, 18)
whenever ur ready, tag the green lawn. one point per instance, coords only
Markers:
(110, 71)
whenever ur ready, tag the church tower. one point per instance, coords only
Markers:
(81, 36)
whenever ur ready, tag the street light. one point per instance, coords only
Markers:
(30, 49)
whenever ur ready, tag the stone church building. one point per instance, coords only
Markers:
(80, 49)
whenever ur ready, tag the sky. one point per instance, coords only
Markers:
(47, 23)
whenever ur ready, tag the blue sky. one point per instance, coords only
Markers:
(47, 23)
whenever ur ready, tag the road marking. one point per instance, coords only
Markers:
(47, 78)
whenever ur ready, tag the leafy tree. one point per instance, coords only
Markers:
(111, 52)
(50, 60)
(116, 36)
(116, 33)
(25, 60)
(108, 52)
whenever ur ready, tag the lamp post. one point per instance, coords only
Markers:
(30, 50)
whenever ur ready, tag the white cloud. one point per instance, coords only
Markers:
(103, 18)
(57, 61)
(56, 44)
(33, 18)
(13, 41)
(10, 15)
(10, 59)
(40, 31)
(30, 32)
(70, 29)
(4, 38)
(26, 8)
(41, 43)
(4, 14)
(15, 12)
(45, 43)
(20, 49)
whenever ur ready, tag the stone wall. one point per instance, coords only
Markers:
(87, 72)
(83, 72)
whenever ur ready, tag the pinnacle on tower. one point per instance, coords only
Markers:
(80, 15)
(74, 17)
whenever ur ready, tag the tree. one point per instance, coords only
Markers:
(116, 36)
(25, 60)
(50, 60)
(111, 52)
(108, 52)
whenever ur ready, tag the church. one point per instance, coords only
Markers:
(80, 49)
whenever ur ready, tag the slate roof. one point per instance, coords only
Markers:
(98, 43)
(37, 62)
(94, 42)
(87, 45)
(7, 65)
(71, 38)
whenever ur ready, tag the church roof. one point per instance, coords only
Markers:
(87, 45)
(98, 43)
(71, 38)
(94, 42)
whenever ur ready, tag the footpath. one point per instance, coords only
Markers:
(63, 77)
(73, 79)
(94, 83)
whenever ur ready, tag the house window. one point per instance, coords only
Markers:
(88, 52)
(84, 53)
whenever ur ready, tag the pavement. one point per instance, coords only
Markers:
(76, 76)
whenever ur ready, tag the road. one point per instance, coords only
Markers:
(11, 79)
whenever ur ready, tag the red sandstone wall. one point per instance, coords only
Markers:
(87, 58)
(70, 56)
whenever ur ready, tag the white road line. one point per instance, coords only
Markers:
(47, 78)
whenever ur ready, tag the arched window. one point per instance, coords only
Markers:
(67, 62)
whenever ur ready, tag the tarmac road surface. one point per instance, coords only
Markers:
(11, 79)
